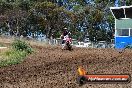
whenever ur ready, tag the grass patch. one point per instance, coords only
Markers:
(16, 54)
(12, 57)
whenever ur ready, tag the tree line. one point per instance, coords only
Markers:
(50, 17)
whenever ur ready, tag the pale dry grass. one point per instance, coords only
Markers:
(36, 43)
(2, 50)
(9, 40)
(6, 39)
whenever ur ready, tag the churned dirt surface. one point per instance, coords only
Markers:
(50, 67)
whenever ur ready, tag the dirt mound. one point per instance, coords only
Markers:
(50, 67)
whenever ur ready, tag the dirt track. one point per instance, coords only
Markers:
(50, 67)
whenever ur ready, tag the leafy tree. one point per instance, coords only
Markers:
(54, 18)
(128, 2)
(25, 17)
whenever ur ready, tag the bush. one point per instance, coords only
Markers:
(21, 46)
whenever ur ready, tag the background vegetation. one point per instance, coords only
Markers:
(49, 17)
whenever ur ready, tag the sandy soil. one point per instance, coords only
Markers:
(50, 67)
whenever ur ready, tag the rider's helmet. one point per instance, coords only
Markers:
(65, 32)
(65, 28)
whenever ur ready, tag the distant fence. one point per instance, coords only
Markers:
(82, 44)
(58, 42)
(53, 41)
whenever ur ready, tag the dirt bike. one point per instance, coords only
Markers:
(67, 46)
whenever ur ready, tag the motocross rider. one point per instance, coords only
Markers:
(65, 36)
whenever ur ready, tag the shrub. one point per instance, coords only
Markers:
(21, 46)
